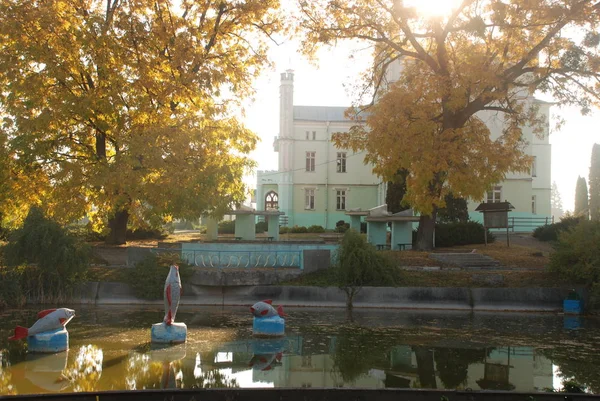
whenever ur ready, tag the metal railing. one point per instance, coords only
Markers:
(238, 258)
(528, 223)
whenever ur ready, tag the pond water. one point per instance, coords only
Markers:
(110, 350)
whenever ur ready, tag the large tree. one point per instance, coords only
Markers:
(594, 181)
(128, 107)
(485, 57)
(582, 207)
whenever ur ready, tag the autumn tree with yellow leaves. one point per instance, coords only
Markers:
(486, 56)
(124, 110)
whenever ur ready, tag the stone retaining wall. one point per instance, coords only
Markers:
(475, 299)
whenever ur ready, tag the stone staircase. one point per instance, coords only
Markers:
(467, 261)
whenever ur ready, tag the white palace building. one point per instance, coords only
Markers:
(316, 183)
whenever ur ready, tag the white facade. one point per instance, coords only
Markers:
(316, 182)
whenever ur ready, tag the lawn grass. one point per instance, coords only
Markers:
(510, 257)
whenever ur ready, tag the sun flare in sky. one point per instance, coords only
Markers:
(433, 8)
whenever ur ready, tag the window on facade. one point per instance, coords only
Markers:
(309, 199)
(272, 201)
(341, 162)
(534, 167)
(340, 200)
(307, 135)
(533, 204)
(494, 195)
(314, 135)
(310, 161)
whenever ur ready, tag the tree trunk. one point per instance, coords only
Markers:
(425, 367)
(118, 228)
(350, 292)
(425, 233)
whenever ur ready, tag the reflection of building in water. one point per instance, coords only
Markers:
(403, 366)
(501, 368)
(305, 371)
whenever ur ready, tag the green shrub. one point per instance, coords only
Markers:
(54, 260)
(550, 232)
(284, 230)
(145, 233)
(261, 227)
(227, 227)
(341, 226)
(577, 253)
(85, 233)
(316, 229)
(11, 291)
(147, 278)
(358, 264)
(452, 234)
(298, 230)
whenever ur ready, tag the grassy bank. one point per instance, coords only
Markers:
(514, 279)
(511, 279)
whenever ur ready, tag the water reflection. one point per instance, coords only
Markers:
(456, 352)
(84, 372)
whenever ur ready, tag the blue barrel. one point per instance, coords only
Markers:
(161, 333)
(268, 326)
(49, 342)
(572, 306)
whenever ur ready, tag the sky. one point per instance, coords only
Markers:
(327, 82)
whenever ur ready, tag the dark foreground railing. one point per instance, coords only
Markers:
(306, 395)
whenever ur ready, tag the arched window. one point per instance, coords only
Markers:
(272, 201)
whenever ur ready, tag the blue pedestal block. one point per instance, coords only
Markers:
(173, 334)
(572, 306)
(49, 342)
(269, 345)
(268, 326)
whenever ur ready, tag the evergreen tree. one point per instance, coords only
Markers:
(595, 183)
(581, 199)
(556, 203)
(455, 211)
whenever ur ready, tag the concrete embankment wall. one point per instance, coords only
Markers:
(476, 299)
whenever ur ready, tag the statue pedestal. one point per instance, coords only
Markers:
(173, 334)
(268, 326)
(49, 342)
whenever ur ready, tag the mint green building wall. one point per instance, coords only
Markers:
(376, 232)
(273, 227)
(245, 227)
(401, 234)
(356, 197)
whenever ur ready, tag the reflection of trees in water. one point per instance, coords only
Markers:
(357, 350)
(425, 367)
(142, 373)
(452, 364)
(6, 386)
(85, 370)
(198, 377)
(577, 365)
(145, 373)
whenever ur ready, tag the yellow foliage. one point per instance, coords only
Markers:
(112, 105)
(486, 57)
